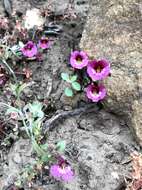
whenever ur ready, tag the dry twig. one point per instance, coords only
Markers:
(49, 124)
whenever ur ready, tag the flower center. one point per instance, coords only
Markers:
(95, 91)
(62, 168)
(98, 68)
(29, 47)
(79, 58)
(44, 41)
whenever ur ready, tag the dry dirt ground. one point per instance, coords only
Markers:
(98, 143)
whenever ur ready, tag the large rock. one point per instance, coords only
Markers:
(113, 31)
(98, 145)
(55, 7)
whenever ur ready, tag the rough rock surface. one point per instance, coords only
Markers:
(113, 31)
(58, 7)
(19, 156)
(98, 145)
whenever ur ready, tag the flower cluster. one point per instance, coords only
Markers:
(30, 49)
(96, 71)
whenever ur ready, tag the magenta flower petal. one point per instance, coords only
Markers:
(29, 50)
(64, 173)
(96, 92)
(55, 172)
(78, 59)
(44, 43)
(98, 70)
(69, 175)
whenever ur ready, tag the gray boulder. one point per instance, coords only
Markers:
(113, 31)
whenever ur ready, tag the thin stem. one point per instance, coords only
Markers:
(25, 125)
(5, 105)
(36, 147)
(8, 48)
(12, 72)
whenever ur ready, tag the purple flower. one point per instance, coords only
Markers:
(78, 59)
(98, 70)
(30, 49)
(62, 172)
(44, 43)
(96, 92)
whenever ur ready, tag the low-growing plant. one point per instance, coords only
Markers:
(23, 45)
(73, 84)
(32, 117)
(91, 73)
(19, 44)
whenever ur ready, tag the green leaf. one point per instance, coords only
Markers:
(36, 109)
(65, 76)
(18, 183)
(73, 78)
(37, 148)
(21, 44)
(10, 110)
(68, 92)
(14, 48)
(44, 146)
(14, 88)
(7, 54)
(76, 86)
(61, 146)
(21, 88)
(45, 158)
(18, 88)
(40, 114)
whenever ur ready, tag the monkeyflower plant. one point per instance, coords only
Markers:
(89, 76)
(32, 116)
(32, 49)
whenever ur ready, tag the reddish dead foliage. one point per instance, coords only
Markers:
(136, 183)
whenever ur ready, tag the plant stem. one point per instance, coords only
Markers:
(36, 147)
(25, 125)
(12, 72)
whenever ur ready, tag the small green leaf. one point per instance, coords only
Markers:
(7, 54)
(61, 146)
(40, 114)
(14, 88)
(45, 158)
(11, 110)
(65, 76)
(14, 48)
(21, 44)
(21, 88)
(44, 146)
(76, 86)
(18, 183)
(68, 92)
(36, 109)
(73, 78)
